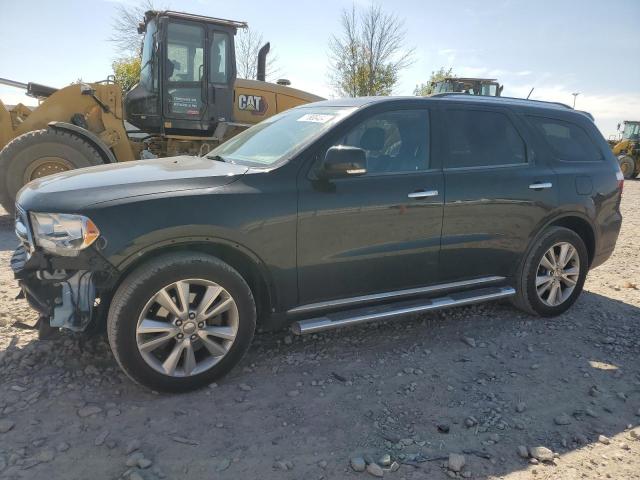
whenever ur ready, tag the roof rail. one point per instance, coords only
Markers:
(511, 99)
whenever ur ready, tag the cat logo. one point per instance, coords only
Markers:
(252, 103)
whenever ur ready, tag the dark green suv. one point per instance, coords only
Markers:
(330, 214)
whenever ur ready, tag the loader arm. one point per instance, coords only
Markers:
(70, 105)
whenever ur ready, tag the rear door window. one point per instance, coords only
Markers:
(478, 138)
(568, 141)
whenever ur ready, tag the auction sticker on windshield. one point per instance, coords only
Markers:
(316, 118)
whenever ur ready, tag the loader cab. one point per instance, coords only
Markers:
(488, 87)
(188, 71)
(631, 130)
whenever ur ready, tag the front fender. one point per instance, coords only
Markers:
(92, 138)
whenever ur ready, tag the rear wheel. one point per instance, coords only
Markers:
(181, 321)
(38, 154)
(627, 166)
(553, 273)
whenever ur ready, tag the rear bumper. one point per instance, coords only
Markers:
(607, 242)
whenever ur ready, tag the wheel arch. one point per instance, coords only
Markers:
(90, 137)
(576, 222)
(247, 263)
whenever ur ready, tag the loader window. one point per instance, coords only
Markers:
(631, 131)
(148, 72)
(219, 58)
(185, 68)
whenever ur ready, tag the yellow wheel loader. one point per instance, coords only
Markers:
(188, 100)
(488, 87)
(627, 149)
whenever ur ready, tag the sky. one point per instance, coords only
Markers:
(556, 46)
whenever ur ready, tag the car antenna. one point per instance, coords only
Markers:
(530, 92)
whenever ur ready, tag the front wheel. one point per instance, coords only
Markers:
(181, 321)
(553, 273)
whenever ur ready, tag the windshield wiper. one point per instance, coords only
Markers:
(217, 158)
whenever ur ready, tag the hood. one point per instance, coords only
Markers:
(75, 189)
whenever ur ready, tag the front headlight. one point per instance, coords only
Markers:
(63, 234)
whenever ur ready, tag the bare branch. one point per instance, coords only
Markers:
(124, 27)
(368, 56)
(248, 44)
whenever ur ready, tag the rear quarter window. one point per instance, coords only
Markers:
(568, 141)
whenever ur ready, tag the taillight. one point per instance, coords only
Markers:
(620, 178)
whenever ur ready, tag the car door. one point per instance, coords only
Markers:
(497, 192)
(184, 94)
(221, 75)
(378, 232)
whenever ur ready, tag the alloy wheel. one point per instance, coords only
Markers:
(557, 274)
(187, 327)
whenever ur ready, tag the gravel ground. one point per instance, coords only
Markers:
(476, 392)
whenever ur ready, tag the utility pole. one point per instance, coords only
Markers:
(575, 94)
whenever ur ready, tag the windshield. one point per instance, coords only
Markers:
(277, 137)
(631, 131)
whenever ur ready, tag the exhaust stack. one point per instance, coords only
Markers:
(262, 62)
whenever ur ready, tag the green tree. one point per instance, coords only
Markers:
(127, 72)
(367, 58)
(424, 90)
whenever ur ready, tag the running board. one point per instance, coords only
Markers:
(383, 312)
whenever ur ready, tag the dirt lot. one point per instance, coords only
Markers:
(487, 382)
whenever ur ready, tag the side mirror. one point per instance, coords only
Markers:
(342, 161)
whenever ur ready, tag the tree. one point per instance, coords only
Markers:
(127, 72)
(367, 58)
(126, 68)
(423, 90)
(124, 27)
(248, 44)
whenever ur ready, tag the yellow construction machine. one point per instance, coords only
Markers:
(488, 87)
(627, 148)
(188, 100)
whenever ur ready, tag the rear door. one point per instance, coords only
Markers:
(497, 192)
(379, 232)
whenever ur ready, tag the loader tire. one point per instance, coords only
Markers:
(627, 166)
(40, 153)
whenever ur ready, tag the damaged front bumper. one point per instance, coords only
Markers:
(63, 290)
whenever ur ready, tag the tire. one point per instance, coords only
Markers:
(132, 300)
(627, 165)
(25, 152)
(527, 297)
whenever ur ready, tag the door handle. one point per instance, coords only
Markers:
(424, 194)
(540, 185)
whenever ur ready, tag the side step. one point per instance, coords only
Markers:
(382, 312)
